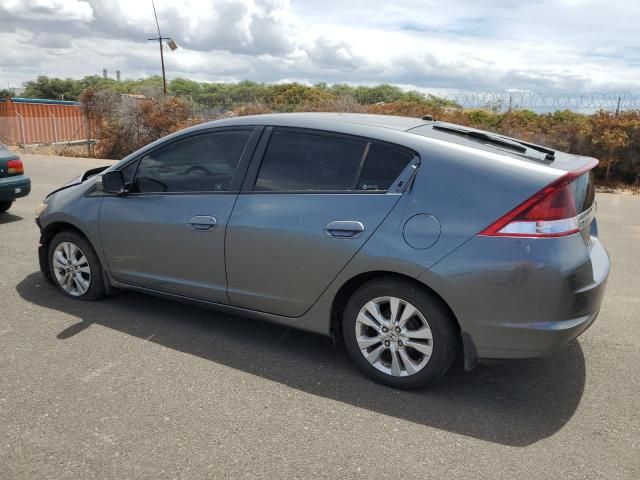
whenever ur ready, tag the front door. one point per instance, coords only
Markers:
(168, 233)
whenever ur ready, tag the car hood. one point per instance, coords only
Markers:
(79, 179)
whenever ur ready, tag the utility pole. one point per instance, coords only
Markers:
(160, 38)
(164, 78)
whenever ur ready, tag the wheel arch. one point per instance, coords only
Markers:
(350, 286)
(52, 229)
(47, 234)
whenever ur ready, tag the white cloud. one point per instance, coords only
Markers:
(239, 26)
(49, 10)
(494, 45)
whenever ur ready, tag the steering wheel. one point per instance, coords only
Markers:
(198, 171)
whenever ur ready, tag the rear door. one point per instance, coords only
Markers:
(168, 233)
(311, 199)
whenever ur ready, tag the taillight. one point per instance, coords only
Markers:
(15, 167)
(551, 212)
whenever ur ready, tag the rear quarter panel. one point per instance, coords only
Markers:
(464, 189)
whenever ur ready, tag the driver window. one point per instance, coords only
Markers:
(199, 163)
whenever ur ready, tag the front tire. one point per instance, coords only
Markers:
(398, 334)
(75, 268)
(6, 205)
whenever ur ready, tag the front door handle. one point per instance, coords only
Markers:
(344, 229)
(203, 223)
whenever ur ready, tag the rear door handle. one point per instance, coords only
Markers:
(203, 223)
(344, 229)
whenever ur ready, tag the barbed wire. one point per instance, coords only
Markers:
(586, 102)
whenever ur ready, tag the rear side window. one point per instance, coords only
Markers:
(383, 165)
(199, 163)
(301, 161)
(297, 161)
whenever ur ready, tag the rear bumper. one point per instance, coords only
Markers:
(536, 340)
(14, 187)
(521, 298)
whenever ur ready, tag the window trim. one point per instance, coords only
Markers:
(238, 177)
(259, 153)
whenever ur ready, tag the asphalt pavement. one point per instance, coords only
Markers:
(141, 387)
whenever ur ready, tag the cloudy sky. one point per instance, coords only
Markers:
(434, 45)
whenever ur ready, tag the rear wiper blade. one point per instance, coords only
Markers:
(483, 136)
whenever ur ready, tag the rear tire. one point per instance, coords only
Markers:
(6, 205)
(75, 268)
(398, 334)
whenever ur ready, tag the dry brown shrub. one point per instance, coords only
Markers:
(406, 109)
(125, 124)
(251, 109)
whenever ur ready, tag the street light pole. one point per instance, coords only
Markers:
(164, 78)
(160, 38)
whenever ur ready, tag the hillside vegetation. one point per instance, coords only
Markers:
(127, 122)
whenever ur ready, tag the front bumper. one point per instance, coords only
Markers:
(14, 187)
(43, 254)
(521, 298)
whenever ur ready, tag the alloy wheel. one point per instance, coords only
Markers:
(71, 269)
(394, 336)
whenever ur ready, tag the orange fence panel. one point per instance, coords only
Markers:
(28, 121)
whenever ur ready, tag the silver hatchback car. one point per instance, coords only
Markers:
(410, 239)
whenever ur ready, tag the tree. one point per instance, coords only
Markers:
(96, 81)
(182, 87)
(607, 133)
(380, 93)
(53, 88)
(6, 93)
(289, 96)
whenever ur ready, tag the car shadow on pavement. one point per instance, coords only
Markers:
(514, 403)
(9, 218)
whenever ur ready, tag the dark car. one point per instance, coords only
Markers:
(13, 182)
(409, 239)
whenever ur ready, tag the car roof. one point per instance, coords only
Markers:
(320, 120)
(406, 131)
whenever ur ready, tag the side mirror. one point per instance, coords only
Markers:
(113, 182)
